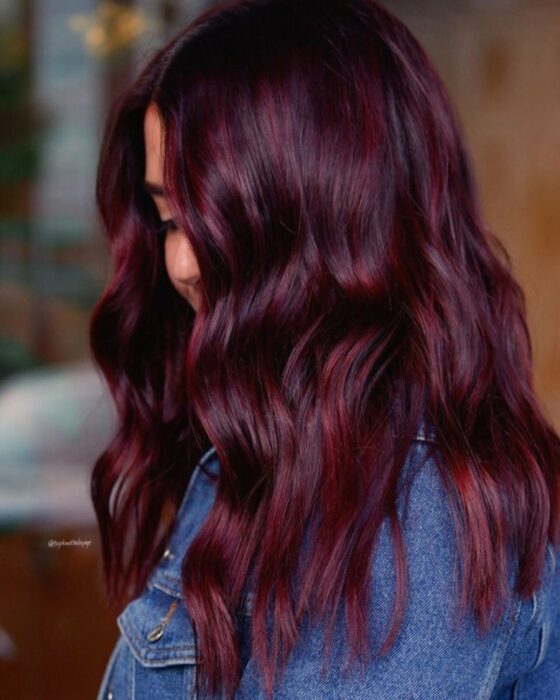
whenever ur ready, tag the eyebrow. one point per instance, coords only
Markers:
(151, 188)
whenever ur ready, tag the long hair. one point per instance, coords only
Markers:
(349, 291)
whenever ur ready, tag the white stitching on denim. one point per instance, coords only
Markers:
(193, 694)
(552, 555)
(535, 606)
(538, 594)
(196, 471)
(543, 644)
(495, 664)
(159, 583)
(109, 668)
(133, 677)
(194, 476)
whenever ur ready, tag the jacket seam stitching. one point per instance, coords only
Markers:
(105, 681)
(498, 656)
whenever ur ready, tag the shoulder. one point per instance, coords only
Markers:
(156, 649)
(433, 654)
(430, 547)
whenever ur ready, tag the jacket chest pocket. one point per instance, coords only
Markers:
(155, 655)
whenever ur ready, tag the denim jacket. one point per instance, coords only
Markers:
(154, 657)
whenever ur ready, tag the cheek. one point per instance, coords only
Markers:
(181, 265)
(173, 263)
(169, 257)
(180, 260)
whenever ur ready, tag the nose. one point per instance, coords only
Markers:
(181, 264)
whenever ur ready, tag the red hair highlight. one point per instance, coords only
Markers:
(350, 292)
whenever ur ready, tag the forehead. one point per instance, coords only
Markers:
(153, 141)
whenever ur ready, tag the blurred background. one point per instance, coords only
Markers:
(62, 62)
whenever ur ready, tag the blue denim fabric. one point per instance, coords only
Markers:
(519, 659)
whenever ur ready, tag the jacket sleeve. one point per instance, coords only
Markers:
(432, 657)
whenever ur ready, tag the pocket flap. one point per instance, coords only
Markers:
(158, 629)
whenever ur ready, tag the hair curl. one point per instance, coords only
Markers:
(350, 291)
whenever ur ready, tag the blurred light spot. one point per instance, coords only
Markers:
(111, 27)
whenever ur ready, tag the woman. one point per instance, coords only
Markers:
(332, 477)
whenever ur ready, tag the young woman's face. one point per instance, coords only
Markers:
(180, 261)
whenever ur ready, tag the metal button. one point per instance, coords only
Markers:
(168, 554)
(110, 695)
(156, 633)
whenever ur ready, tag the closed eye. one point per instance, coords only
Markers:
(165, 226)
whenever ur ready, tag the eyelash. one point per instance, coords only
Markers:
(164, 226)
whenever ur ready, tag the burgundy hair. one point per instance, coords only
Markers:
(350, 290)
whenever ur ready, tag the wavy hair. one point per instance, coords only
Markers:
(349, 291)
